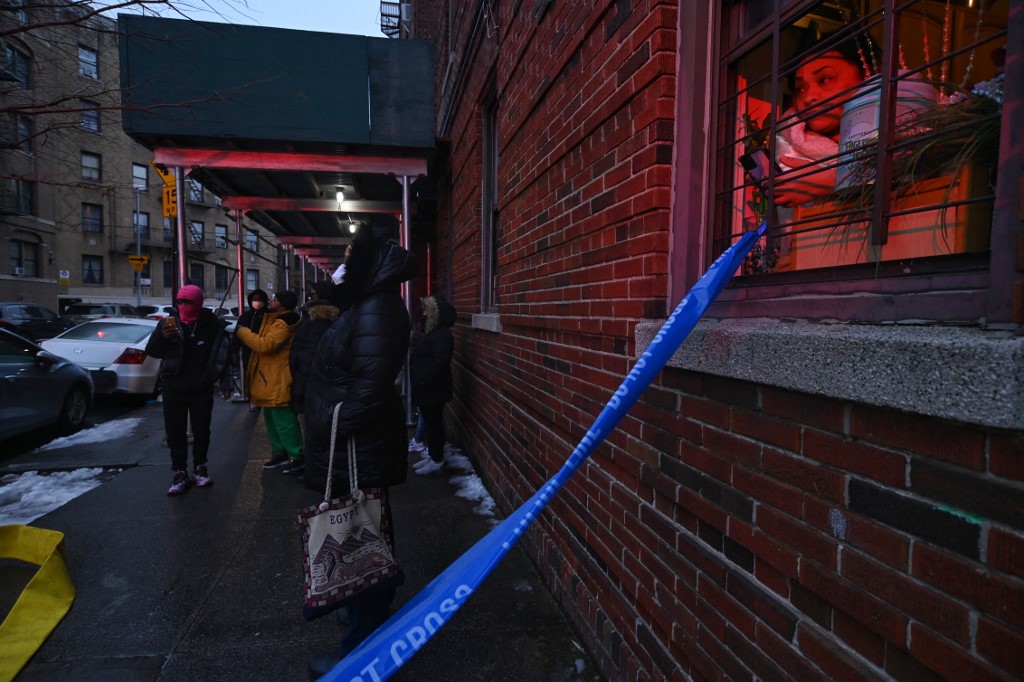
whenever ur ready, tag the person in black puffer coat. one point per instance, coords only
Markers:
(430, 371)
(321, 313)
(356, 364)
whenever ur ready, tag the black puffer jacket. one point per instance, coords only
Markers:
(430, 363)
(356, 365)
(197, 359)
(320, 315)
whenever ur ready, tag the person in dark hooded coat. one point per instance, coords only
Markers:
(321, 313)
(430, 371)
(356, 365)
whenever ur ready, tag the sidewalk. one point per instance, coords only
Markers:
(208, 586)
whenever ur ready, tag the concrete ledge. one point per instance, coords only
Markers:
(488, 322)
(964, 374)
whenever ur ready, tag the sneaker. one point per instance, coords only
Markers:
(294, 469)
(430, 468)
(422, 461)
(416, 446)
(202, 478)
(180, 484)
(277, 459)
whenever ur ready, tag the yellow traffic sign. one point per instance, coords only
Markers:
(138, 267)
(138, 259)
(170, 202)
(165, 175)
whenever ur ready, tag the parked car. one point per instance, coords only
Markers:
(38, 388)
(155, 312)
(114, 351)
(31, 320)
(78, 313)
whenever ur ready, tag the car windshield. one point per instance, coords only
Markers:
(104, 331)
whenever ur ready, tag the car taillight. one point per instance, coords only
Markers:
(131, 356)
(6, 324)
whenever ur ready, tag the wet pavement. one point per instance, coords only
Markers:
(208, 585)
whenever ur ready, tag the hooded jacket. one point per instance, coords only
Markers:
(196, 359)
(268, 377)
(321, 314)
(356, 364)
(430, 363)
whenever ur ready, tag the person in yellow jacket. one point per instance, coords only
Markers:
(269, 380)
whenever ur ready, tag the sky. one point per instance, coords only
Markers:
(27, 496)
(355, 17)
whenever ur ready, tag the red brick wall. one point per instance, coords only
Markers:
(726, 530)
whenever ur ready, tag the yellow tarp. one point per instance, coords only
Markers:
(43, 603)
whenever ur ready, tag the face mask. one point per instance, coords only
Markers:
(339, 274)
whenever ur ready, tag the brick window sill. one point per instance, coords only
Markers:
(488, 322)
(964, 374)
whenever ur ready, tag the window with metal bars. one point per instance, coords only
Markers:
(864, 131)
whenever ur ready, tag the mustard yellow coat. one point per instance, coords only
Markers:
(268, 378)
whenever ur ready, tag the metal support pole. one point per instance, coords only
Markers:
(407, 292)
(287, 267)
(302, 260)
(179, 180)
(241, 295)
(138, 251)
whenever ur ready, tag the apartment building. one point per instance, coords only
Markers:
(80, 200)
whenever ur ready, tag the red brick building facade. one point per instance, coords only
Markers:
(827, 481)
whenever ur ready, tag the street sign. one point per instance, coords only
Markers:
(138, 259)
(165, 175)
(170, 202)
(137, 267)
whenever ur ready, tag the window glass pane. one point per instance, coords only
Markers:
(197, 233)
(168, 235)
(142, 221)
(88, 64)
(168, 274)
(92, 167)
(252, 280)
(24, 133)
(808, 132)
(220, 274)
(140, 177)
(92, 218)
(19, 69)
(92, 269)
(90, 115)
(252, 241)
(195, 274)
(195, 191)
(221, 235)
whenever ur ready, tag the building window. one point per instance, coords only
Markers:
(20, 14)
(168, 230)
(24, 258)
(17, 68)
(252, 280)
(220, 279)
(142, 223)
(92, 218)
(92, 269)
(196, 274)
(168, 274)
(140, 177)
(489, 209)
(220, 236)
(88, 62)
(17, 196)
(24, 133)
(252, 242)
(195, 191)
(92, 167)
(197, 233)
(853, 185)
(90, 115)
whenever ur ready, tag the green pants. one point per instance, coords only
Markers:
(283, 431)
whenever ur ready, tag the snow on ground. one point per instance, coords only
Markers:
(26, 496)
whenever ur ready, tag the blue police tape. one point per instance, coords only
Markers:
(395, 642)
